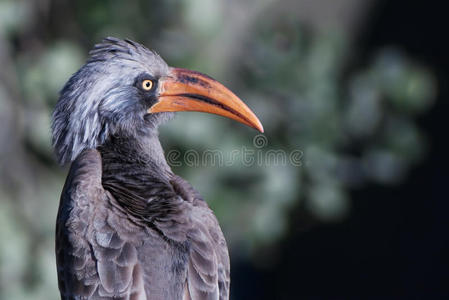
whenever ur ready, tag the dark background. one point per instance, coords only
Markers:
(360, 87)
(401, 251)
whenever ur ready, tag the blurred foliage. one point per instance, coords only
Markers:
(352, 128)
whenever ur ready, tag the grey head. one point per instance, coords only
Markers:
(127, 90)
(105, 97)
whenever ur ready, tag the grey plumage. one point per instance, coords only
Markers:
(100, 99)
(127, 227)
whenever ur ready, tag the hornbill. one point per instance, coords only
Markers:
(127, 226)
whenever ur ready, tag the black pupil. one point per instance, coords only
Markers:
(148, 84)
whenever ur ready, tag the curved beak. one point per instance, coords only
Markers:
(185, 90)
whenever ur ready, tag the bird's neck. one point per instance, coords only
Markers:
(144, 151)
(135, 170)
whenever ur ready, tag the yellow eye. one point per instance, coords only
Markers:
(147, 84)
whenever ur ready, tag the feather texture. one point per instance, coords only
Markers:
(127, 227)
(168, 248)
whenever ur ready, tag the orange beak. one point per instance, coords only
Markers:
(185, 90)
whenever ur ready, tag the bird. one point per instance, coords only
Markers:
(128, 227)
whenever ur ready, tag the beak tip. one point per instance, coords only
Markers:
(258, 126)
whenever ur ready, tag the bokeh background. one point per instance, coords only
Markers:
(359, 88)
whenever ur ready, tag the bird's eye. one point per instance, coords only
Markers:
(147, 84)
